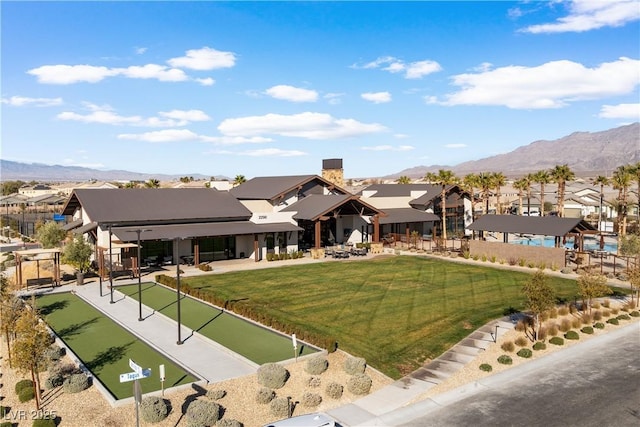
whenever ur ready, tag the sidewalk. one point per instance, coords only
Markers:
(202, 357)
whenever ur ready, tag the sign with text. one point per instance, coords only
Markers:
(132, 376)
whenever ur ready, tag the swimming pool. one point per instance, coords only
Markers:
(590, 244)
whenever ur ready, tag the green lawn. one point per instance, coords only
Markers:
(395, 312)
(105, 347)
(247, 339)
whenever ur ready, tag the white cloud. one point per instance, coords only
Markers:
(377, 97)
(333, 98)
(80, 164)
(154, 71)
(303, 125)
(585, 15)
(204, 59)
(551, 85)
(140, 50)
(102, 117)
(68, 74)
(455, 145)
(106, 115)
(291, 93)
(234, 140)
(23, 101)
(412, 70)
(208, 81)
(401, 135)
(186, 115)
(388, 148)
(166, 135)
(620, 111)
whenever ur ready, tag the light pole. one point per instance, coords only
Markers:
(110, 268)
(140, 318)
(177, 251)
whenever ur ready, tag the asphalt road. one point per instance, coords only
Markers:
(594, 383)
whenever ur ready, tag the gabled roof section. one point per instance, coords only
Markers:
(398, 190)
(407, 215)
(156, 205)
(272, 187)
(314, 206)
(540, 225)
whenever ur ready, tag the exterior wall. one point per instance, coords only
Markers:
(388, 202)
(244, 244)
(271, 217)
(505, 251)
(257, 205)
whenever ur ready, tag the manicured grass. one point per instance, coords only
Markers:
(395, 312)
(247, 339)
(105, 347)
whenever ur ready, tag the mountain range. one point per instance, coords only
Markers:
(586, 153)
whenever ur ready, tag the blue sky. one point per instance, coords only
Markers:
(268, 88)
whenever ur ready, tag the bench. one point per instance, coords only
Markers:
(40, 281)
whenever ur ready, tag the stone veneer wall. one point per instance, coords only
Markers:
(506, 251)
(334, 175)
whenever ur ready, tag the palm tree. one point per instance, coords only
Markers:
(498, 180)
(560, 175)
(635, 172)
(443, 178)
(541, 177)
(239, 179)
(485, 180)
(602, 181)
(523, 184)
(621, 181)
(470, 182)
(152, 183)
(403, 180)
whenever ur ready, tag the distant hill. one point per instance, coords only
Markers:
(586, 153)
(12, 171)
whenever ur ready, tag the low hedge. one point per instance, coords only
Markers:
(613, 321)
(572, 335)
(556, 341)
(485, 367)
(525, 353)
(598, 325)
(539, 346)
(587, 330)
(505, 360)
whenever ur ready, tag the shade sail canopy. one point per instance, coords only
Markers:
(545, 225)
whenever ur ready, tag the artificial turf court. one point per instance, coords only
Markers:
(393, 311)
(105, 347)
(256, 343)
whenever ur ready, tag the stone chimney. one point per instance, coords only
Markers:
(332, 171)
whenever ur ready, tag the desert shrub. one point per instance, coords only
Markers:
(485, 367)
(55, 353)
(311, 400)
(355, 365)
(587, 330)
(484, 258)
(493, 258)
(606, 313)
(265, 395)
(153, 409)
(563, 310)
(597, 315)
(508, 346)
(204, 267)
(280, 407)
(44, 422)
(565, 325)
(53, 381)
(576, 322)
(334, 390)
(623, 317)
(314, 381)
(216, 394)
(525, 353)
(598, 325)
(475, 257)
(512, 260)
(359, 384)
(531, 264)
(552, 329)
(521, 326)
(556, 341)
(75, 383)
(573, 309)
(272, 375)
(26, 394)
(615, 311)
(522, 341)
(613, 321)
(316, 365)
(572, 335)
(229, 422)
(635, 313)
(586, 319)
(22, 384)
(544, 316)
(505, 360)
(203, 413)
(606, 303)
(539, 346)
(596, 304)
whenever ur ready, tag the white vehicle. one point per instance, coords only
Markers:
(533, 212)
(309, 420)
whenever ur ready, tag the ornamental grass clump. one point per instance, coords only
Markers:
(565, 325)
(203, 413)
(525, 353)
(334, 390)
(280, 407)
(316, 365)
(576, 322)
(505, 360)
(314, 382)
(153, 409)
(563, 310)
(76, 383)
(552, 329)
(265, 395)
(508, 346)
(586, 319)
(572, 335)
(311, 400)
(597, 315)
(522, 341)
(272, 375)
(355, 365)
(359, 384)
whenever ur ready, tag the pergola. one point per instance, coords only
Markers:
(37, 255)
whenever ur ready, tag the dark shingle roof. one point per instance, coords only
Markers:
(156, 205)
(540, 225)
(402, 215)
(316, 205)
(271, 187)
